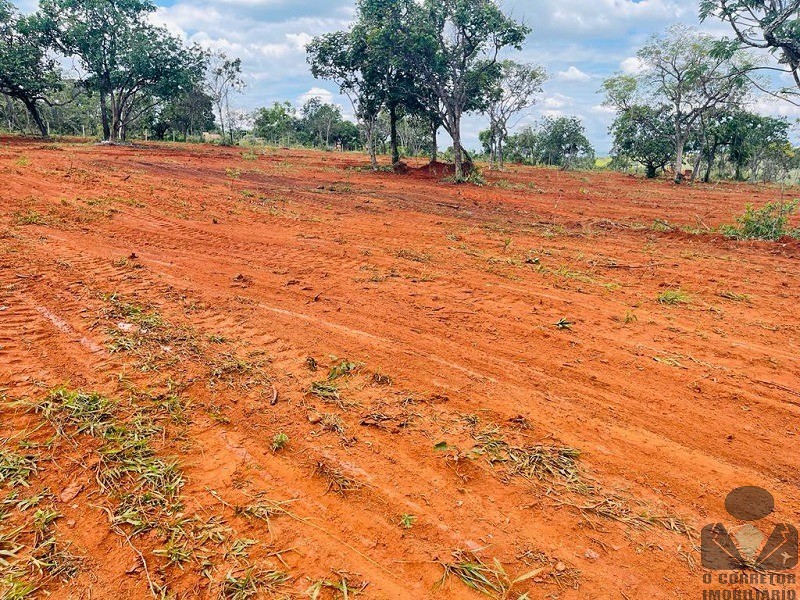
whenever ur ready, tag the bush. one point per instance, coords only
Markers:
(766, 223)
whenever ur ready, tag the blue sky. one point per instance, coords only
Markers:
(579, 42)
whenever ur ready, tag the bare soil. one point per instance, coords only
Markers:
(506, 386)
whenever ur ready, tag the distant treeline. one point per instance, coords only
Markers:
(410, 68)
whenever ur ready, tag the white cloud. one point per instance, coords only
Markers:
(556, 101)
(315, 92)
(573, 74)
(631, 65)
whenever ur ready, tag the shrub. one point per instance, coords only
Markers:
(766, 223)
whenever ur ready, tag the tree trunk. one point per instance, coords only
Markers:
(434, 141)
(501, 159)
(711, 156)
(393, 134)
(221, 122)
(679, 143)
(104, 116)
(696, 168)
(37, 118)
(651, 171)
(458, 158)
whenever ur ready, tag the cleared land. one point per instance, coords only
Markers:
(562, 372)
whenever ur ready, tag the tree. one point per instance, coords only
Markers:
(368, 63)
(414, 134)
(751, 137)
(276, 124)
(223, 79)
(772, 25)
(338, 57)
(644, 134)
(683, 74)
(562, 141)
(453, 47)
(515, 91)
(319, 120)
(132, 65)
(27, 74)
(524, 146)
(379, 35)
(189, 114)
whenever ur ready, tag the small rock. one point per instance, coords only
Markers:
(561, 567)
(134, 568)
(69, 493)
(591, 554)
(314, 418)
(473, 546)
(71, 524)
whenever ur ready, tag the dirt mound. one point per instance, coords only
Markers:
(434, 170)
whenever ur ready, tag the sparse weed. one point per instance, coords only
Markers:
(326, 390)
(15, 587)
(250, 583)
(30, 217)
(55, 561)
(342, 585)
(611, 506)
(381, 379)
(564, 324)
(342, 369)
(630, 318)
(279, 441)
(490, 580)
(176, 551)
(673, 297)
(540, 462)
(407, 521)
(413, 255)
(88, 412)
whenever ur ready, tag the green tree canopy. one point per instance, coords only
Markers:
(453, 47)
(562, 141)
(644, 134)
(131, 64)
(684, 75)
(27, 73)
(772, 25)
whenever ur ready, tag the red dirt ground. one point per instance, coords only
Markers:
(447, 298)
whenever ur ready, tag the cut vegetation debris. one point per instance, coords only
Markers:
(15, 469)
(491, 580)
(337, 481)
(553, 464)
